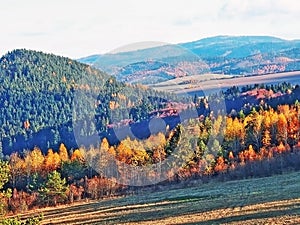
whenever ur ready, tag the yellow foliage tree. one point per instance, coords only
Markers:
(63, 153)
(77, 155)
(52, 161)
(17, 166)
(34, 160)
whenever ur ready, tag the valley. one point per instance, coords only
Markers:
(211, 83)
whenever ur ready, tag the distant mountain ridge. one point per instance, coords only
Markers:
(237, 55)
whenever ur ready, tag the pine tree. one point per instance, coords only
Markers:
(55, 188)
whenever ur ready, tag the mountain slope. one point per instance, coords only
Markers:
(42, 96)
(245, 55)
(235, 46)
(36, 96)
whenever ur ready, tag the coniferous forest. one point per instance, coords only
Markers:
(37, 94)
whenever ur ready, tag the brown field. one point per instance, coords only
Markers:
(217, 81)
(270, 200)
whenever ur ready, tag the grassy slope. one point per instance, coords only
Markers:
(273, 200)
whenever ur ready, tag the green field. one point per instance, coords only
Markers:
(270, 200)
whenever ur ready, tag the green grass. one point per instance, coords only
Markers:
(252, 201)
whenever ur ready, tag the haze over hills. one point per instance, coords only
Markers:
(234, 55)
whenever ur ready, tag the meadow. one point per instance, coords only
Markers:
(209, 83)
(268, 200)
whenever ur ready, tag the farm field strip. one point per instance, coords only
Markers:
(212, 81)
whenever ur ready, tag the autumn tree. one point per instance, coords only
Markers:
(266, 139)
(281, 148)
(155, 146)
(282, 128)
(293, 126)
(140, 156)
(273, 115)
(75, 193)
(250, 153)
(106, 164)
(129, 155)
(218, 127)
(91, 157)
(221, 165)
(34, 161)
(4, 194)
(254, 129)
(124, 153)
(52, 161)
(77, 155)
(234, 134)
(17, 166)
(63, 153)
(104, 144)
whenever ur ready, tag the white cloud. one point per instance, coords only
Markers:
(79, 28)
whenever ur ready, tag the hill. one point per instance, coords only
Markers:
(234, 55)
(272, 200)
(44, 96)
(149, 72)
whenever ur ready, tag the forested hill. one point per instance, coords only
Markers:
(36, 99)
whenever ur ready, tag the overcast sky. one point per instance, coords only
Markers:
(75, 28)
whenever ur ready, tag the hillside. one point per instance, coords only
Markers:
(36, 97)
(233, 55)
(43, 96)
(147, 72)
(271, 200)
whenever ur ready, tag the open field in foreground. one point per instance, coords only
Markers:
(208, 82)
(270, 200)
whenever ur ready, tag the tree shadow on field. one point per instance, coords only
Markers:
(253, 216)
(177, 209)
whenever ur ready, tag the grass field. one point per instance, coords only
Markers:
(206, 82)
(189, 82)
(270, 200)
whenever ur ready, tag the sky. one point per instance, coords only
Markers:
(78, 28)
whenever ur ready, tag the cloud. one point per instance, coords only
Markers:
(32, 34)
(255, 9)
(77, 28)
